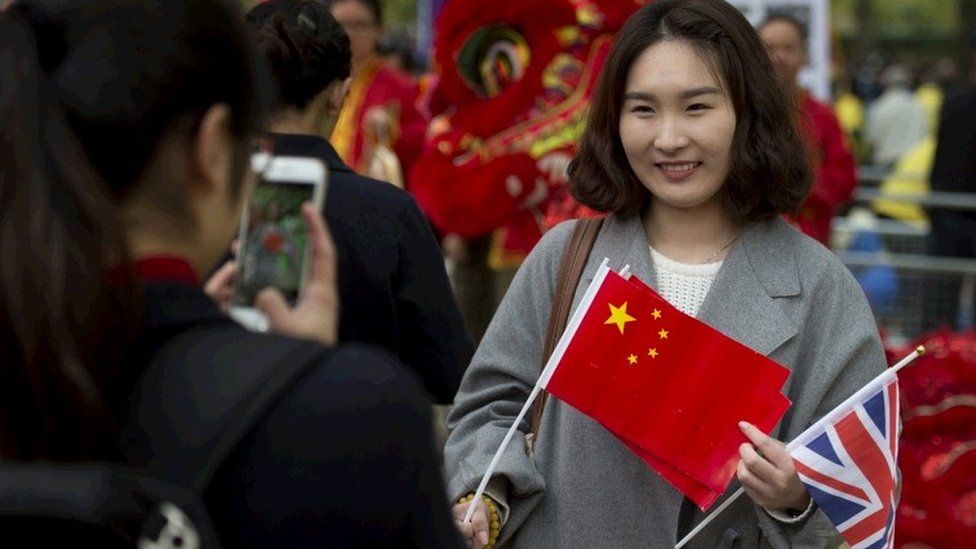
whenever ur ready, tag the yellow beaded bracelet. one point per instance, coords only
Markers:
(494, 518)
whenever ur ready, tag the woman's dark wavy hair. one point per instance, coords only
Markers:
(768, 172)
(89, 91)
(304, 46)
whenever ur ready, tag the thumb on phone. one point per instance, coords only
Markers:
(273, 305)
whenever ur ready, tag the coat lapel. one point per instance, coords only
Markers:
(623, 242)
(742, 301)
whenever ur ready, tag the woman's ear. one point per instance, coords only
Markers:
(338, 93)
(332, 98)
(211, 155)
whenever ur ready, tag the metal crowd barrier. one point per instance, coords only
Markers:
(911, 291)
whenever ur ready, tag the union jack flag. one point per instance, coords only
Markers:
(848, 461)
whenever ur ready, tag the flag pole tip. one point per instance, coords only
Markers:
(920, 350)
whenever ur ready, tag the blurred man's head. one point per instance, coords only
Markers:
(363, 22)
(896, 76)
(786, 42)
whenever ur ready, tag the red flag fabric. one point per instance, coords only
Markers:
(669, 386)
(702, 495)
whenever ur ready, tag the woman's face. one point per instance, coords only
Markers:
(676, 126)
(784, 43)
(363, 29)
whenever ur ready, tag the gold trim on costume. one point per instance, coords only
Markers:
(344, 135)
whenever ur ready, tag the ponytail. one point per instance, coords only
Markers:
(63, 329)
(89, 91)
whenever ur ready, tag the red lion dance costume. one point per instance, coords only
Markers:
(937, 452)
(514, 80)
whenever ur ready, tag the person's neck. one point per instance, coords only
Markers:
(795, 91)
(148, 247)
(295, 122)
(150, 234)
(696, 235)
(361, 65)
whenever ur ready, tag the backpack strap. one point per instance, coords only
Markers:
(570, 270)
(205, 391)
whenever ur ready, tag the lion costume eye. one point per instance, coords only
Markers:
(492, 59)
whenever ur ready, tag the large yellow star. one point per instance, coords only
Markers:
(619, 316)
(632, 359)
(663, 334)
(652, 352)
(656, 314)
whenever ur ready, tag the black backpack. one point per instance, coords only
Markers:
(198, 398)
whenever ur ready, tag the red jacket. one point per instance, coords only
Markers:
(380, 86)
(833, 169)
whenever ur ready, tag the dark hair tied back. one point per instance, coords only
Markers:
(304, 46)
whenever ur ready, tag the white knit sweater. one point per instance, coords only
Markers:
(684, 285)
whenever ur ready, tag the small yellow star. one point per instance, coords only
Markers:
(656, 314)
(652, 352)
(619, 316)
(632, 359)
(663, 334)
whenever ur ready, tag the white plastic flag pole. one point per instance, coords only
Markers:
(547, 372)
(919, 351)
(890, 372)
(709, 518)
(498, 455)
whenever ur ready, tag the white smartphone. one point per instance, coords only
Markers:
(273, 240)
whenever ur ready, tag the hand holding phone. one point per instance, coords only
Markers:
(220, 286)
(275, 243)
(316, 315)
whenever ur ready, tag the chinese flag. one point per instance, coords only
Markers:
(669, 386)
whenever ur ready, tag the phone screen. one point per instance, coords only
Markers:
(274, 241)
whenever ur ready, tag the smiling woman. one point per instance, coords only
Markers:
(676, 127)
(767, 172)
(691, 149)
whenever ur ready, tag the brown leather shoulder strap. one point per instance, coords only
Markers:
(570, 270)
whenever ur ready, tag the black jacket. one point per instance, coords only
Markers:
(393, 288)
(953, 232)
(954, 166)
(344, 458)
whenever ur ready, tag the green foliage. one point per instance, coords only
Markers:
(898, 18)
(400, 13)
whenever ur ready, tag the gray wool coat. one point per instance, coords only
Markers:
(778, 292)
